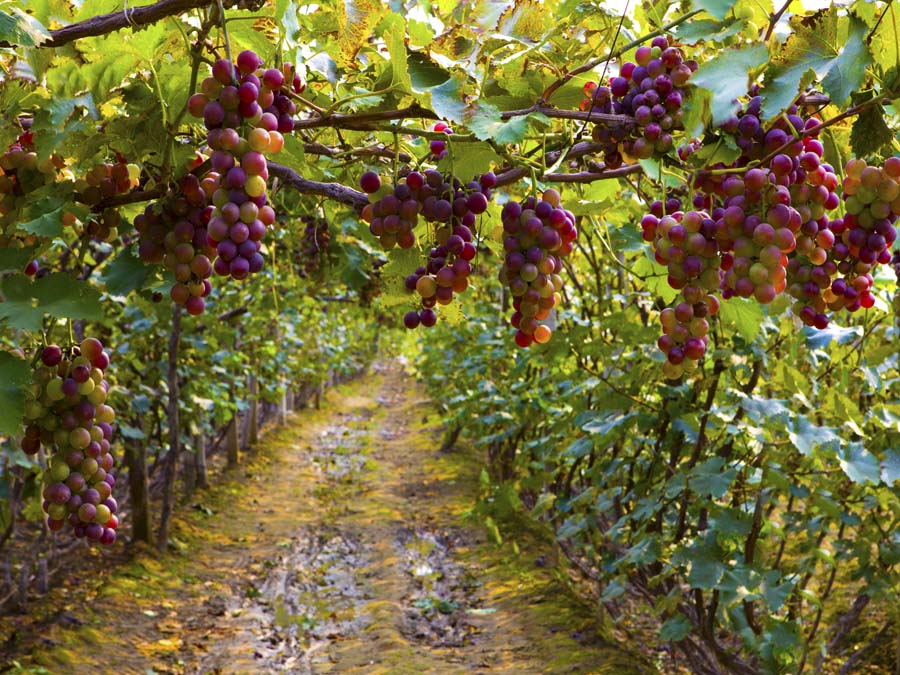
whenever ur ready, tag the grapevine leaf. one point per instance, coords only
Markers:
(806, 436)
(357, 18)
(774, 593)
(353, 267)
(446, 101)
(21, 29)
(655, 278)
(15, 259)
(470, 160)
(394, 33)
(717, 8)
(819, 339)
(125, 274)
(13, 377)
(727, 77)
(130, 432)
(58, 295)
(706, 30)
(286, 12)
(486, 123)
(826, 47)
(870, 134)
(425, 73)
(705, 572)
(579, 448)
(860, 465)
(401, 262)
(743, 315)
(46, 225)
(890, 468)
(675, 629)
(711, 477)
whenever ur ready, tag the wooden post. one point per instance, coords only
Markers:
(170, 470)
(253, 423)
(232, 444)
(200, 462)
(139, 489)
(22, 590)
(189, 472)
(283, 403)
(43, 576)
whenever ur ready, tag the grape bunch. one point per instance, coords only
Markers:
(446, 272)
(685, 327)
(686, 244)
(102, 182)
(313, 253)
(449, 263)
(234, 104)
(773, 222)
(66, 411)
(866, 233)
(174, 231)
(22, 172)
(652, 92)
(539, 233)
(445, 202)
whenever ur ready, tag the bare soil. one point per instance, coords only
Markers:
(341, 546)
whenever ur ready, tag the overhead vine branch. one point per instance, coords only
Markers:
(128, 18)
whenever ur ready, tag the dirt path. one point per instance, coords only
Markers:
(340, 548)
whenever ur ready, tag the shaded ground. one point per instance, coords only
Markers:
(341, 547)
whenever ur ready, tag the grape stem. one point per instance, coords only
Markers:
(590, 65)
(774, 18)
(850, 112)
(227, 41)
(605, 380)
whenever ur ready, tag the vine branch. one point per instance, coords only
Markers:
(109, 23)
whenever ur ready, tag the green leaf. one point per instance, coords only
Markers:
(704, 30)
(469, 160)
(446, 101)
(775, 593)
(486, 123)
(826, 47)
(806, 436)
(655, 278)
(717, 8)
(870, 133)
(21, 29)
(727, 77)
(711, 478)
(675, 629)
(130, 432)
(579, 448)
(125, 274)
(14, 376)
(743, 315)
(860, 465)
(58, 295)
(46, 225)
(286, 13)
(705, 573)
(425, 73)
(393, 29)
(890, 468)
(15, 259)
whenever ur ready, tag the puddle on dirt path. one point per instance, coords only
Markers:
(340, 549)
